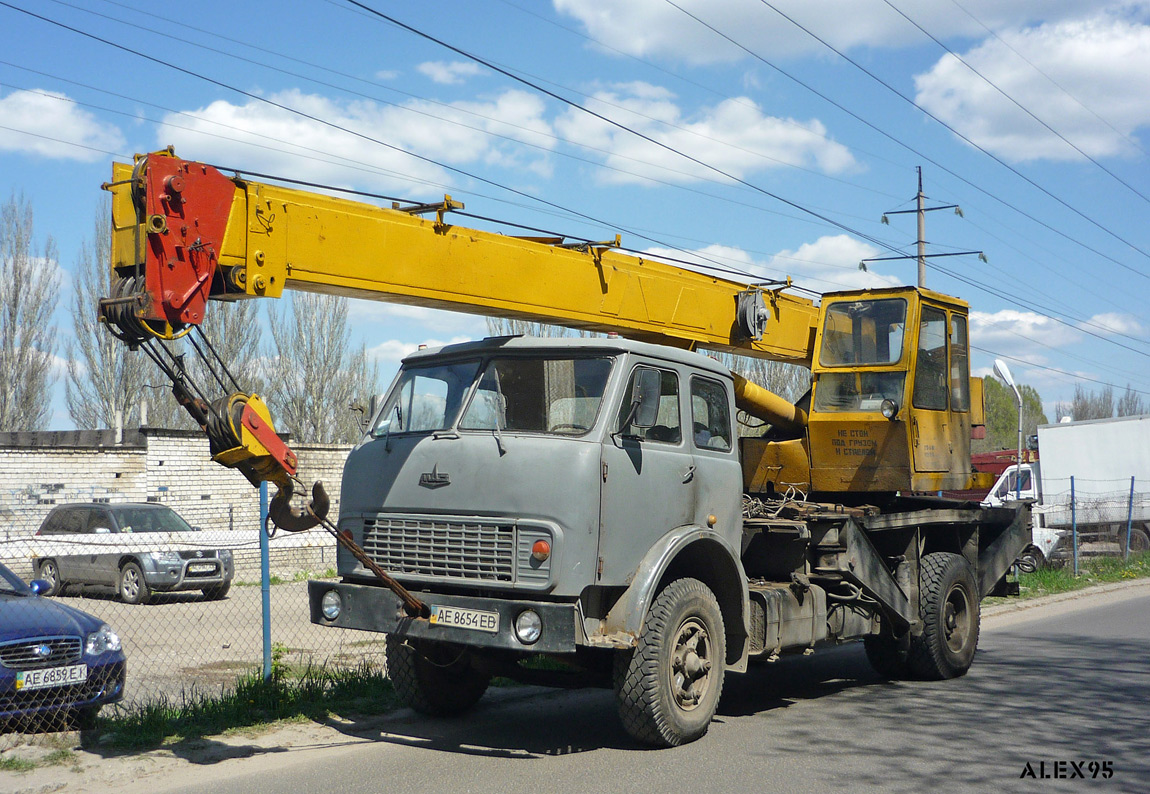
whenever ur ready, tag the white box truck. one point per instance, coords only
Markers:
(1101, 455)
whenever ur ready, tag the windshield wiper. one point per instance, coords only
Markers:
(387, 433)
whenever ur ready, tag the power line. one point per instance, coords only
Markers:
(895, 140)
(989, 154)
(1018, 104)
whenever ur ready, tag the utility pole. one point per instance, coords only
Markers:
(921, 210)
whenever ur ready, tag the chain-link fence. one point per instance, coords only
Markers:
(1092, 518)
(185, 608)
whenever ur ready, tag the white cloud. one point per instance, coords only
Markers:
(734, 136)
(656, 28)
(305, 149)
(51, 122)
(829, 263)
(1115, 323)
(1103, 62)
(1019, 333)
(386, 74)
(452, 73)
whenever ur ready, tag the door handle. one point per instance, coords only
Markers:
(689, 474)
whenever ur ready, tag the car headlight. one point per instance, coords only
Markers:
(166, 557)
(102, 641)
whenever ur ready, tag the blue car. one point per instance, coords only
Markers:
(58, 665)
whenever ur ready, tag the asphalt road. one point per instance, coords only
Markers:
(1060, 683)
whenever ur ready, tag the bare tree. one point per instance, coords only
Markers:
(1131, 403)
(1089, 404)
(103, 375)
(317, 378)
(29, 286)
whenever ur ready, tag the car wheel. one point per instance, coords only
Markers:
(668, 688)
(950, 616)
(48, 571)
(133, 588)
(217, 592)
(1031, 560)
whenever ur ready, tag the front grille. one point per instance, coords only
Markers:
(28, 654)
(454, 549)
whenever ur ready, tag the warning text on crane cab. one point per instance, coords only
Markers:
(854, 442)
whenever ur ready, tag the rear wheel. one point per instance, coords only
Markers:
(668, 688)
(434, 677)
(1031, 560)
(1139, 540)
(48, 571)
(950, 616)
(133, 588)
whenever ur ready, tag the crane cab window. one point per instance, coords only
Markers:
(710, 415)
(863, 333)
(538, 395)
(959, 364)
(668, 427)
(930, 371)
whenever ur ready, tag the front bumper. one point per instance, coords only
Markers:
(375, 608)
(176, 577)
(105, 684)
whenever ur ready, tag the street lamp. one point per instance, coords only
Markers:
(1003, 372)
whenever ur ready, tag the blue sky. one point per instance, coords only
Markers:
(1062, 297)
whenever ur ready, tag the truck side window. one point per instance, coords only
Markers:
(959, 365)
(710, 415)
(668, 428)
(930, 373)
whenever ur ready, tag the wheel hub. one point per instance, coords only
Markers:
(691, 664)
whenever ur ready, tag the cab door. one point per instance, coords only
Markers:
(648, 480)
(931, 444)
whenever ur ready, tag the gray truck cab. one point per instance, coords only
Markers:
(516, 486)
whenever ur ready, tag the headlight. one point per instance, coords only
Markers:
(889, 409)
(166, 557)
(102, 641)
(331, 604)
(528, 626)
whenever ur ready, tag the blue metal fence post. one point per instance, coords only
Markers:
(1074, 525)
(265, 581)
(1129, 518)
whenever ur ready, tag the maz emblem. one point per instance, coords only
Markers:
(434, 478)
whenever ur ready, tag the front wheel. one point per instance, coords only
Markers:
(133, 588)
(668, 688)
(434, 677)
(950, 616)
(1139, 540)
(48, 571)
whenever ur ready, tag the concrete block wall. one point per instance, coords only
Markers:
(171, 467)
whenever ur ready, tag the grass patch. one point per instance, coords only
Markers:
(314, 693)
(16, 765)
(1091, 571)
(298, 576)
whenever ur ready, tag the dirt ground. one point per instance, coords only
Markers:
(96, 769)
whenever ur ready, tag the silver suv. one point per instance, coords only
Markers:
(156, 552)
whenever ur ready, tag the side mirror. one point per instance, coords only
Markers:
(39, 586)
(102, 531)
(645, 398)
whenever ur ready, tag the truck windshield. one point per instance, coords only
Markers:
(863, 332)
(538, 395)
(426, 399)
